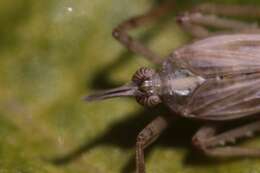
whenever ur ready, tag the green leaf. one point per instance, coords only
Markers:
(54, 52)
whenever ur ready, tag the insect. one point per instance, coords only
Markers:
(216, 78)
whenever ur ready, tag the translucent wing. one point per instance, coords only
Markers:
(221, 55)
(227, 98)
(231, 66)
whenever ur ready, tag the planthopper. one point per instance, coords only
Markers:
(215, 78)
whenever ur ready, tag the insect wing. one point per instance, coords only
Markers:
(227, 98)
(221, 55)
(231, 66)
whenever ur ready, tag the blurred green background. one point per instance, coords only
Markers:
(54, 52)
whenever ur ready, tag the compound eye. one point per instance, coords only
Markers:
(149, 101)
(142, 74)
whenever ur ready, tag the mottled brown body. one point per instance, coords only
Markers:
(229, 68)
(215, 78)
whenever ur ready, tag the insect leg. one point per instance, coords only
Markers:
(189, 26)
(212, 144)
(229, 10)
(196, 24)
(121, 31)
(147, 136)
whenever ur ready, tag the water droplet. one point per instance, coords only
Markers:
(70, 9)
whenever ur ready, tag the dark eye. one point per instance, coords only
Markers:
(142, 74)
(149, 101)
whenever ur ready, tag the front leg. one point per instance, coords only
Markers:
(121, 31)
(147, 136)
(213, 144)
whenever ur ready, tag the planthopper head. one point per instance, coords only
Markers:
(144, 87)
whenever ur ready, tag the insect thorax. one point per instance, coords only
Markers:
(177, 84)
